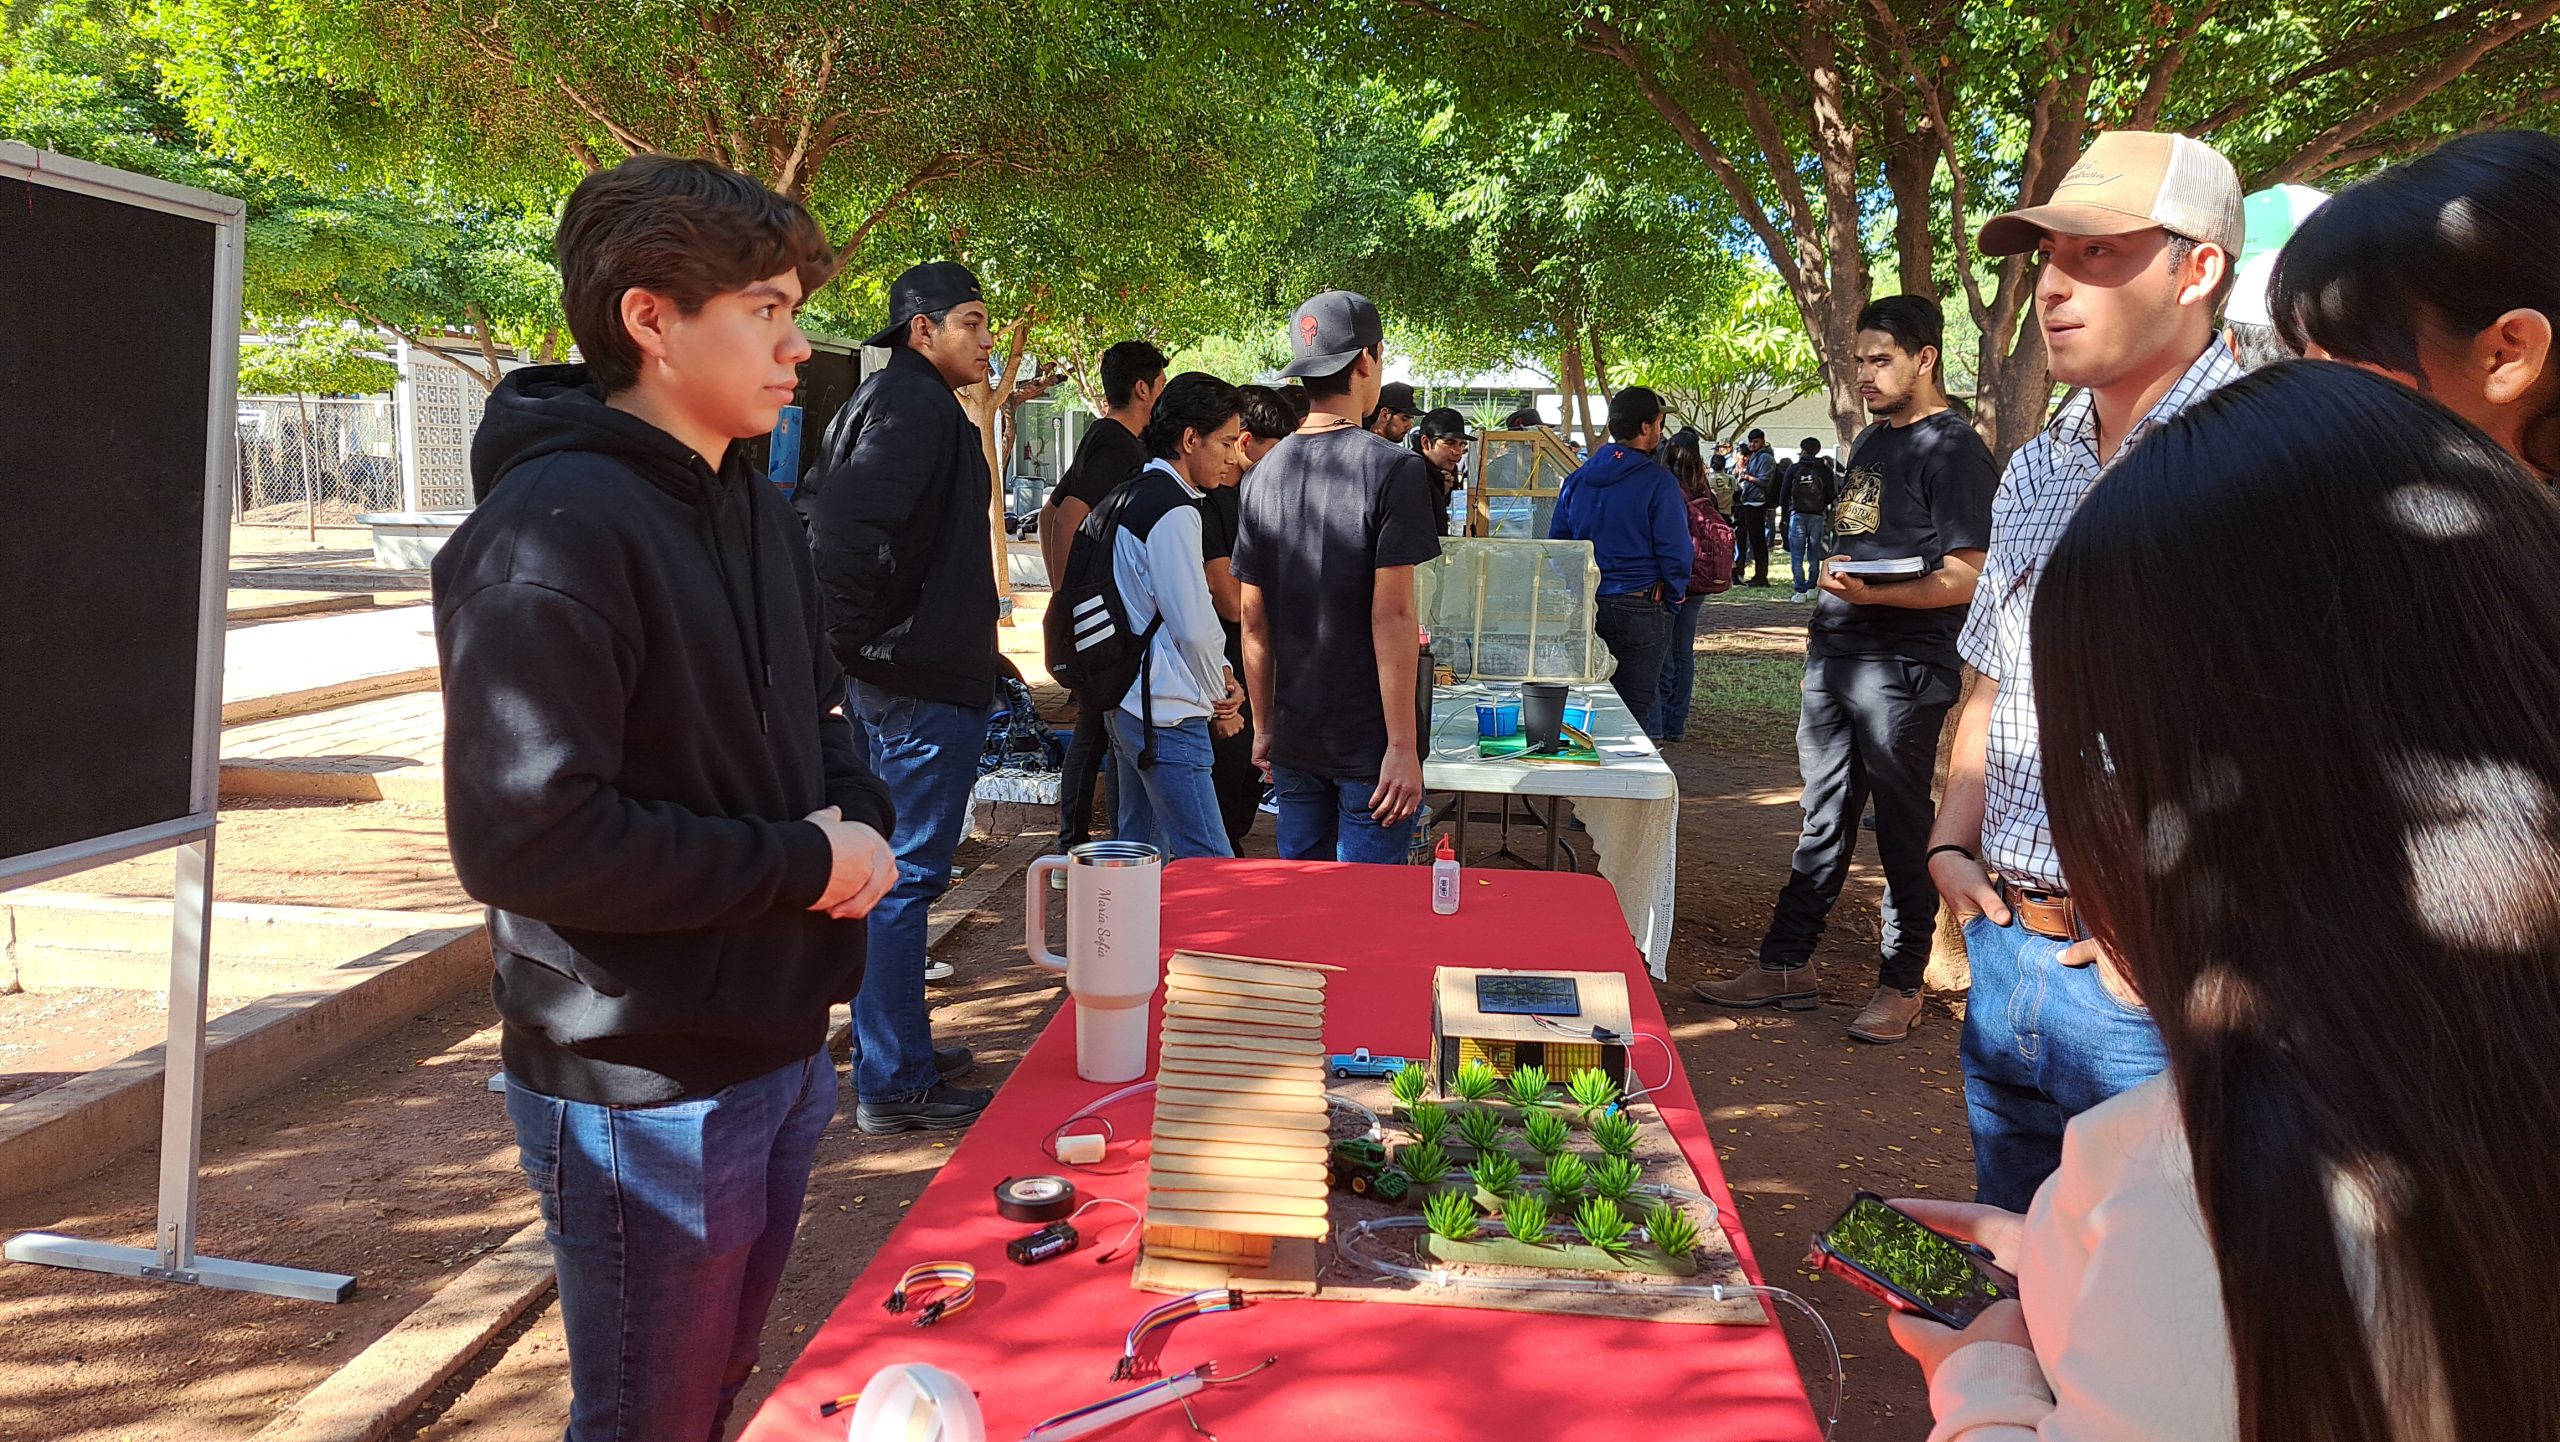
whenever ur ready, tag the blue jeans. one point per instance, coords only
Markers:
(669, 1226)
(1804, 544)
(1324, 819)
(926, 752)
(1680, 671)
(2043, 1042)
(1172, 803)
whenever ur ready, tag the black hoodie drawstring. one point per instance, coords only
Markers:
(757, 657)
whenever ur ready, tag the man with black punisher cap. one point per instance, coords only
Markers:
(898, 529)
(1334, 522)
(1395, 413)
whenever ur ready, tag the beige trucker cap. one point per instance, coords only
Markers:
(2129, 180)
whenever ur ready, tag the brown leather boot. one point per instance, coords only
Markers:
(1759, 986)
(1889, 1016)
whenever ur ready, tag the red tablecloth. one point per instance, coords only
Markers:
(1043, 1339)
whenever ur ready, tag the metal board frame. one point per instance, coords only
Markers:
(172, 1257)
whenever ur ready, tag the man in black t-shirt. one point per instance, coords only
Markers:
(1881, 671)
(1810, 487)
(1110, 453)
(1335, 519)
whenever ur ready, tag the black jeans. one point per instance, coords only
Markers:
(1751, 543)
(1079, 775)
(1637, 631)
(1869, 727)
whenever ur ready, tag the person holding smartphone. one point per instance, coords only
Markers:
(2325, 850)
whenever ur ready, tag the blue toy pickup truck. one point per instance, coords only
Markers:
(1359, 1063)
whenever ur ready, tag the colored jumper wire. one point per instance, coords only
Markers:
(1198, 1304)
(1096, 1416)
(958, 1281)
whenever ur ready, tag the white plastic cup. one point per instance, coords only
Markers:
(1114, 958)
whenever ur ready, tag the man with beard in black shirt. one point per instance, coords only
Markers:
(1881, 671)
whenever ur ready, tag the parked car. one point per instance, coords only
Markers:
(1360, 1063)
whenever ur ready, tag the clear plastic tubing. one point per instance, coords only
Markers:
(1346, 1244)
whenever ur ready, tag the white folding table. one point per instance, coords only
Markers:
(1629, 802)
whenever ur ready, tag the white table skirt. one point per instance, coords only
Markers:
(1629, 804)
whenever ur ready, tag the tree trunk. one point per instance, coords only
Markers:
(1577, 396)
(2013, 381)
(1600, 373)
(986, 405)
(1836, 146)
(1910, 170)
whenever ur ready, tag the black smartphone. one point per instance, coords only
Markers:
(1884, 1252)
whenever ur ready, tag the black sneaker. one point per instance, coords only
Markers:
(950, 1063)
(943, 1109)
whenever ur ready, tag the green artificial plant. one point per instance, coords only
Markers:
(1567, 1176)
(1614, 1134)
(1410, 1084)
(1602, 1224)
(1524, 1217)
(1671, 1230)
(1428, 1120)
(1451, 1215)
(1547, 1133)
(1529, 1086)
(1481, 1128)
(1592, 1090)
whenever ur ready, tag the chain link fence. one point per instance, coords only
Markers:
(333, 458)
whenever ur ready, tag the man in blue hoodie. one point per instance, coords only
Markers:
(1628, 506)
(647, 783)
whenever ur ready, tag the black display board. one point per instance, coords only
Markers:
(107, 316)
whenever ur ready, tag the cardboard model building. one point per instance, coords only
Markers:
(1562, 1021)
(1236, 1177)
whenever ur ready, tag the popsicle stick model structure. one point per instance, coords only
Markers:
(1236, 1192)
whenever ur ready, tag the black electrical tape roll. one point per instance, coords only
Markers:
(1034, 1199)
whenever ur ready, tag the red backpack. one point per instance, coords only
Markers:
(1712, 534)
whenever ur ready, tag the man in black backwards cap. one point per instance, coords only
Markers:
(1396, 411)
(898, 528)
(1333, 524)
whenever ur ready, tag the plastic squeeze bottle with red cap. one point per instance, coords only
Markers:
(1444, 879)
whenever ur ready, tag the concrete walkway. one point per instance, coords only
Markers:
(296, 666)
(390, 748)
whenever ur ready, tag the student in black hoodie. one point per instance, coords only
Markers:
(899, 529)
(645, 783)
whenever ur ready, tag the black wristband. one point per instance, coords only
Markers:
(1964, 851)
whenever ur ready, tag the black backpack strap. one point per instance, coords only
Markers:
(1147, 691)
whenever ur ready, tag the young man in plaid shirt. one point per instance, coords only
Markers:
(2137, 244)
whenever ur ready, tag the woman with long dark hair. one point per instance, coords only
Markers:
(1713, 571)
(2444, 274)
(2314, 816)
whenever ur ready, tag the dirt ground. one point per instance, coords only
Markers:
(396, 1164)
(49, 1037)
(288, 851)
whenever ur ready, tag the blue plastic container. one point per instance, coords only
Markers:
(1579, 718)
(1497, 718)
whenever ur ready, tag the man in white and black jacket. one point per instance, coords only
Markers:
(898, 526)
(646, 784)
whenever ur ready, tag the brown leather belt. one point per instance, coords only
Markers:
(2048, 914)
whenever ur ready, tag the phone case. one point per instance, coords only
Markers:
(1823, 1258)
